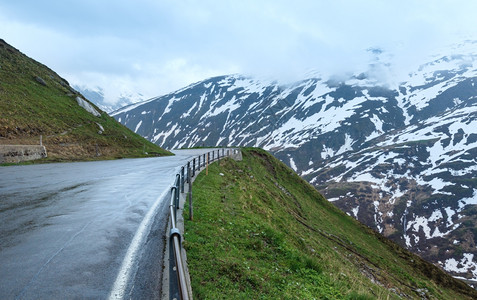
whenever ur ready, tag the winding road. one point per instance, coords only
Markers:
(85, 230)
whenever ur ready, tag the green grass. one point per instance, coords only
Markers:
(29, 109)
(261, 232)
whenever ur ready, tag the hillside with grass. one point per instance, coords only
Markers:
(261, 232)
(35, 101)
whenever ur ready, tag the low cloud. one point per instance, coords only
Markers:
(155, 47)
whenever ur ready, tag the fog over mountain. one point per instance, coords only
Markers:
(156, 47)
(97, 96)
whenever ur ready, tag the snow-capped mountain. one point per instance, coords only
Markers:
(400, 159)
(96, 95)
(416, 185)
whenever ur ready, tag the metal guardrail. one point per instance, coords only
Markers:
(178, 288)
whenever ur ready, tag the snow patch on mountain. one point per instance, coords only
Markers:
(464, 265)
(137, 126)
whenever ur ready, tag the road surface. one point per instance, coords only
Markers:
(85, 230)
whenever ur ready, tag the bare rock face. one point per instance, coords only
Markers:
(87, 106)
(40, 80)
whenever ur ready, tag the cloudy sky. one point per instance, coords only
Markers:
(153, 47)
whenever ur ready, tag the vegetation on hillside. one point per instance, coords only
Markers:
(35, 101)
(262, 232)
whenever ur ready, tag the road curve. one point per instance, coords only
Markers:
(85, 230)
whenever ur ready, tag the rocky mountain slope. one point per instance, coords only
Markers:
(35, 101)
(401, 158)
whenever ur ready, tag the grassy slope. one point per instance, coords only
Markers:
(29, 109)
(261, 232)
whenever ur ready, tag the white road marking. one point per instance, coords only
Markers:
(120, 284)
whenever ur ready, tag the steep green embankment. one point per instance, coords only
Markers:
(261, 232)
(35, 101)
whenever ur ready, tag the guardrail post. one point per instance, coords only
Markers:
(176, 199)
(193, 168)
(189, 177)
(176, 269)
(218, 154)
(191, 212)
(198, 161)
(178, 183)
(188, 170)
(173, 274)
(204, 160)
(173, 203)
(182, 179)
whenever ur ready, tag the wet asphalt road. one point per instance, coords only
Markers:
(80, 230)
